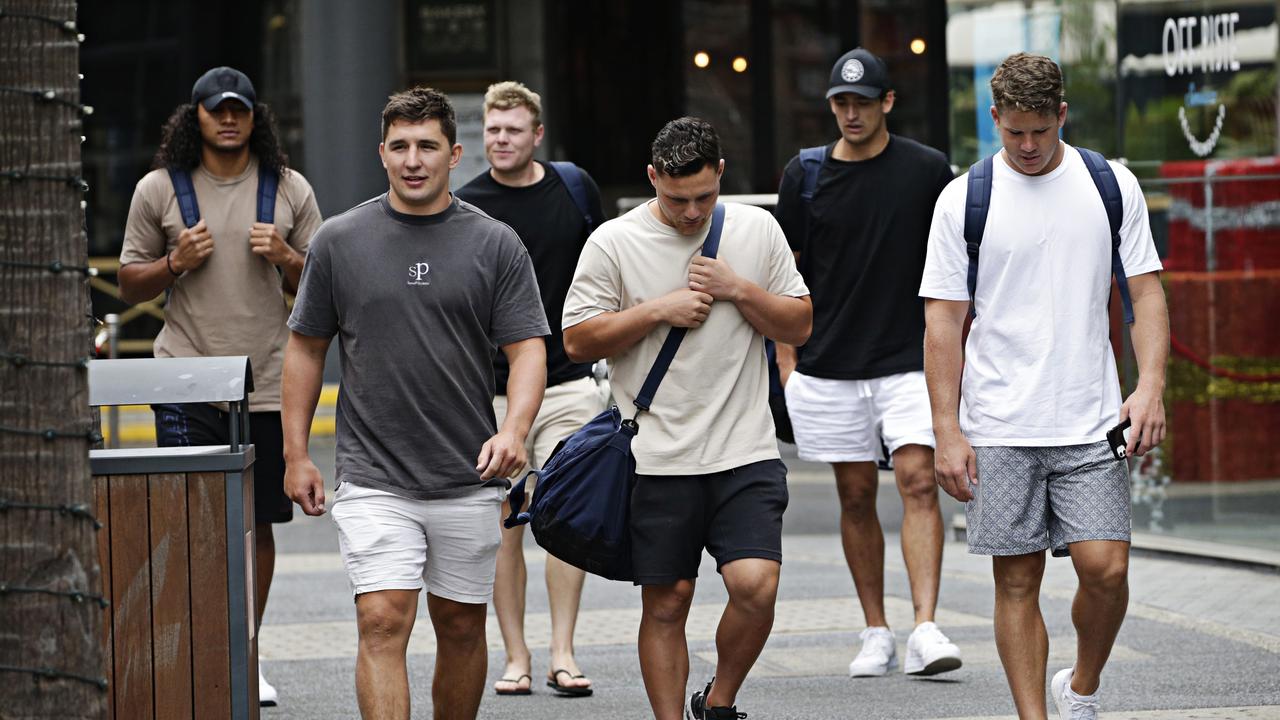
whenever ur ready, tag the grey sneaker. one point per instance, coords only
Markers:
(1070, 705)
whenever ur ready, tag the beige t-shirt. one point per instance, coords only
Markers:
(234, 303)
(711, 412)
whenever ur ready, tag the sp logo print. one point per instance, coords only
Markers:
(418, 274)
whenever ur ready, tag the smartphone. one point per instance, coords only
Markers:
(1116, 440)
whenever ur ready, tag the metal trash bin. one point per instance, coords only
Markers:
(177, 549)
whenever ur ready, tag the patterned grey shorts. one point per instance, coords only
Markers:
(1029, 499)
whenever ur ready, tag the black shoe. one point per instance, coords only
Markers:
(698, 710)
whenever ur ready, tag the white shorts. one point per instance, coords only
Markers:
(844, 420)
(565, 408)
(448, 546)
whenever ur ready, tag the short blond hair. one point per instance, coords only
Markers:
(511, 94)
(1027, 83)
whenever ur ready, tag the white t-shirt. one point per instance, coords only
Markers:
(1039, 369)
(711, 412)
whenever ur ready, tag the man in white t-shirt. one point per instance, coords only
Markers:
(1022, 439)
(708, 469)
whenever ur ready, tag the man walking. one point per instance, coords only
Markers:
(1023, 437)
(708, 470)
(540, 206)
(420, 287)
(226, 265)
(856, 215)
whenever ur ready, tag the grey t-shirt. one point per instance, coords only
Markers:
(418, 304)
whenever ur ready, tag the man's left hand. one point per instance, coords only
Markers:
(1145, 410)
(501, 456)
(714, 277)
(266, 242)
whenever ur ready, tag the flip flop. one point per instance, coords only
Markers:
(568, 690)
(515, 681)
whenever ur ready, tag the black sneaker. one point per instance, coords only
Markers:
(698, 710)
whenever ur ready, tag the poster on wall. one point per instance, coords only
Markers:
(451, 37)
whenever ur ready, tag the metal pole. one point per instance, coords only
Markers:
(113, 412)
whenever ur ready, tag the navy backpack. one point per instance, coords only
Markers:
(268, 182)
(581, 508)
(571, 175)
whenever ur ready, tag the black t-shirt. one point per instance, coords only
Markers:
(553, 230)
(862, 252)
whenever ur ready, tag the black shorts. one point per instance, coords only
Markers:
(203, 424)
(734, 514)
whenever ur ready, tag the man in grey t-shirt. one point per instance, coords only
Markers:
(420, 288)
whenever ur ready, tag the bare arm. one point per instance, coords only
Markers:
(787, 355)
(955, 465)
(299, 393)
(1150, 333)
(504, 453)
(141, 281)
(785, 319)
(609, 334)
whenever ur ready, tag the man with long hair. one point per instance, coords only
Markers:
(225, 270)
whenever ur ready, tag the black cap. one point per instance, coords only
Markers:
(223, 83)
(858, 71)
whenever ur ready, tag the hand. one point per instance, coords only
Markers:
(1145, 410)
(501, 456)
(714, 277)
(304, 485)
(955, 466)
(195, 244)
(265, 241)
(684, 308)
(787, 362)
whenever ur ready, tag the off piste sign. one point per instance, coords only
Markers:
(1201, 44)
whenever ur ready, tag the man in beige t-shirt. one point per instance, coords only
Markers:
(225, 276)
(708, 469)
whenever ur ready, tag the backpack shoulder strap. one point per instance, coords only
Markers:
(977, 204)
(710, 247)
(571, 174)
(268, 183)
(186, 194)
(811, 159)
(1104, 178)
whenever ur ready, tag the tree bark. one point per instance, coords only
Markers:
(44, 638)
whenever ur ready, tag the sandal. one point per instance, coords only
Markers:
(515, 681)
(568, 690)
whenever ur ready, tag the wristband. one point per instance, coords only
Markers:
(168, 262)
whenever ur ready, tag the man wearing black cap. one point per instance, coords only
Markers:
(206, 228)
(856, 212)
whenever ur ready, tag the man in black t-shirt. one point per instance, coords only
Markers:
(536, 202)
(860, 244)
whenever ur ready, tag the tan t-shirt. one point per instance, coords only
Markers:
(234, 303)
(711, 412)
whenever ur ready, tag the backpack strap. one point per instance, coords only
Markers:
(977, 204)
(811, 159)
(710, 247)
(1104, 178)
(268, 182)
(572, 176)
(186, 194)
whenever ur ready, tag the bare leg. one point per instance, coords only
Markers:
(664, 652)
(921, 526)
(744, 627)
(564, 593)
(385, 621)
(462, 658)
(1102, 567)
(1021, 637)
(863, 539)
(265, 555)
(508, 604)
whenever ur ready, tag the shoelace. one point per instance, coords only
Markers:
(1082, 709)
(876, 641)
(934, 635)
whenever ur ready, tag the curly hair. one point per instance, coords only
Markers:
(1027, 83)
(684, 146)
(181, 142)
(421, 104)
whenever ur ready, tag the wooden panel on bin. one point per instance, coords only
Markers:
(102, 511)
(170, 596)
(210, 635)
(131, 596)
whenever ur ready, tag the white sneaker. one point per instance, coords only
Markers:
(267, 695)
(878, 655)
(1070, 705)
(929, 652)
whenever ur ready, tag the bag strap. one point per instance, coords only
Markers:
(811, 159)
(1104, 178)
(572, 176)
(186, 194)
(668, 353)
(268, 182)
(977, 203)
